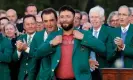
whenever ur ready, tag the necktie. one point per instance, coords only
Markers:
(95, 34)
(29, 40)
(124, 30)
(92, 54)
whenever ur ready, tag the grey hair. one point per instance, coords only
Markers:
(99, 10)
(2, 11)
(16, 30)
(124, 6)
(113, 13)
(84, 13)
(131, 9)
(11, 10)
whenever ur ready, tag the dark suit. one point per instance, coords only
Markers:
(20, 27)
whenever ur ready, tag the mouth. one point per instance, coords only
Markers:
(50, 27)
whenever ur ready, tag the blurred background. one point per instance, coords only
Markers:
(83, 5)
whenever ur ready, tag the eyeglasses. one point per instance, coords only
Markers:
(114, 20)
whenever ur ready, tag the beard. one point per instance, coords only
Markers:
(67, 27)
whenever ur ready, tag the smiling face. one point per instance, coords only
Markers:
(95, 19)
(50, 22)
(10, 30)
(66, 20)
(30, 25)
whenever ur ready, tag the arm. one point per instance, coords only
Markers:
(128, 51)
(112, 51)
(6, 54)
(95, 44)
(44, 50)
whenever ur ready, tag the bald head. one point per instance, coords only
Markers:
(12, 15)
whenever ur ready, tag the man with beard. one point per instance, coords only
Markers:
(69, 49)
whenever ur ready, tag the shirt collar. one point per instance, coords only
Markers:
(97, 29)
(32, 35)
(46, 34)
(124, 29)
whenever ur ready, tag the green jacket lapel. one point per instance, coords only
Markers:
(101, 33)
(129, 34)
(76, 42)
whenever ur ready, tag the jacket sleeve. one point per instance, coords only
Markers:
(128, 51)
(45, 48)
(6, 53)
(93, 43)
(112, 52)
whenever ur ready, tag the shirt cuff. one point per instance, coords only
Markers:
(27, 50)
(19, 53)
(123, 47)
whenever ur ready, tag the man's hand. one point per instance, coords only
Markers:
(78, 35)
(119, 42)
(25, 46)
(93, 64)
(19, 45)
(57, 40)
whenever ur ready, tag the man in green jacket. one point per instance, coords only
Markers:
(69, 49)
(100, 31)
(24, 47)
(49, 18)
(120, 45)
(5, 57)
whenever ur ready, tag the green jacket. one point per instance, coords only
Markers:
(43, 64)
(27, 61)
(5, 57)
(81, 52)
(113, 54)
(102, 57)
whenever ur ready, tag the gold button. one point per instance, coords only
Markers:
(52, 70)
(26, 63)
(58, 60)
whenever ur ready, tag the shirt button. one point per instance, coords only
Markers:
(85, 41)
(58, 60)
(26, 72)
(52, 70)
(26, 63)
